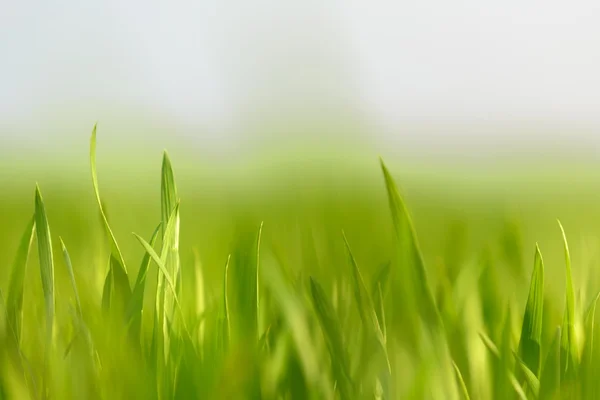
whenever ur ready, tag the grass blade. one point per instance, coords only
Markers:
(531, 331)
(461, 382)
(532, 381)
(118, 271)
(365, 305)
(330, 325)
(410, 252)
(551, 371)
(136, 304)
(568, 341)
(71, 275)
(46, 260)
(14, 300)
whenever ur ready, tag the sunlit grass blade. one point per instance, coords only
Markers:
(461, 382)
(46, 261)
(226, 327)
(365, 304)
(409, 251)
(533, 383)
(14, 300)
(531, 331)
(136, 304)
(119, 277)
(258, 240)
(551, 371)
(330, 326)
(243, 277)
(569, 347)
(295, 317)
(71, 275)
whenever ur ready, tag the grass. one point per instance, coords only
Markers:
(345, 304)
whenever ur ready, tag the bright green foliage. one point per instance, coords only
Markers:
(14, 300)
(569, 350)
(46, 262)
(292, 309)
(531, 332)
(117, 281)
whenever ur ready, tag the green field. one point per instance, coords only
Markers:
(335, 280)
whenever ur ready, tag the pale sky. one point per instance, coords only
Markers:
(452, 70)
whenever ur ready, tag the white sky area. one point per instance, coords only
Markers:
(450, 70)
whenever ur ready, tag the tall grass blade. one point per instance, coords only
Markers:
(531, 331)
(569, 341)
(330, 325)
(46, 261)
(551, 371)
(533, 383)
(14, 299)
(461, 382)
(71, 275)
(136, 304)
(409, 251)
(118, 272)
(366, 308)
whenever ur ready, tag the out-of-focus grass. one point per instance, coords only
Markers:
(253, 291)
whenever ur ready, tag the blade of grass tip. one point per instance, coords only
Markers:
(408, 244)
(14, 300)
(461, 382)
(365, 304)
(46, 260)
(568, 341)
(531, 331)
(551, 371)
(71, 275)
(168, 191)
(330, 326)
(533, 382)
(117, 265)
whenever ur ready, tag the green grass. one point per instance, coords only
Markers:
(336, 295)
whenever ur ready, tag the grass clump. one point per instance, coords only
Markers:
(317, 320)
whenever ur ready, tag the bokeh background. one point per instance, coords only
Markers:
(486, 113)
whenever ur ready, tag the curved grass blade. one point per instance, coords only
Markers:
(46, 261)
(532, 381)
(71, 275)
(118, 271)
(295, 317)
(226, 328)
(568, 340)
(169, 203)
(330, 326)
(531, 331)
(160, 262)
(410, 251)
(551, 372)
(14, 299)
(365, 305)
(136, 304)
(258, 240)
(461, 381)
